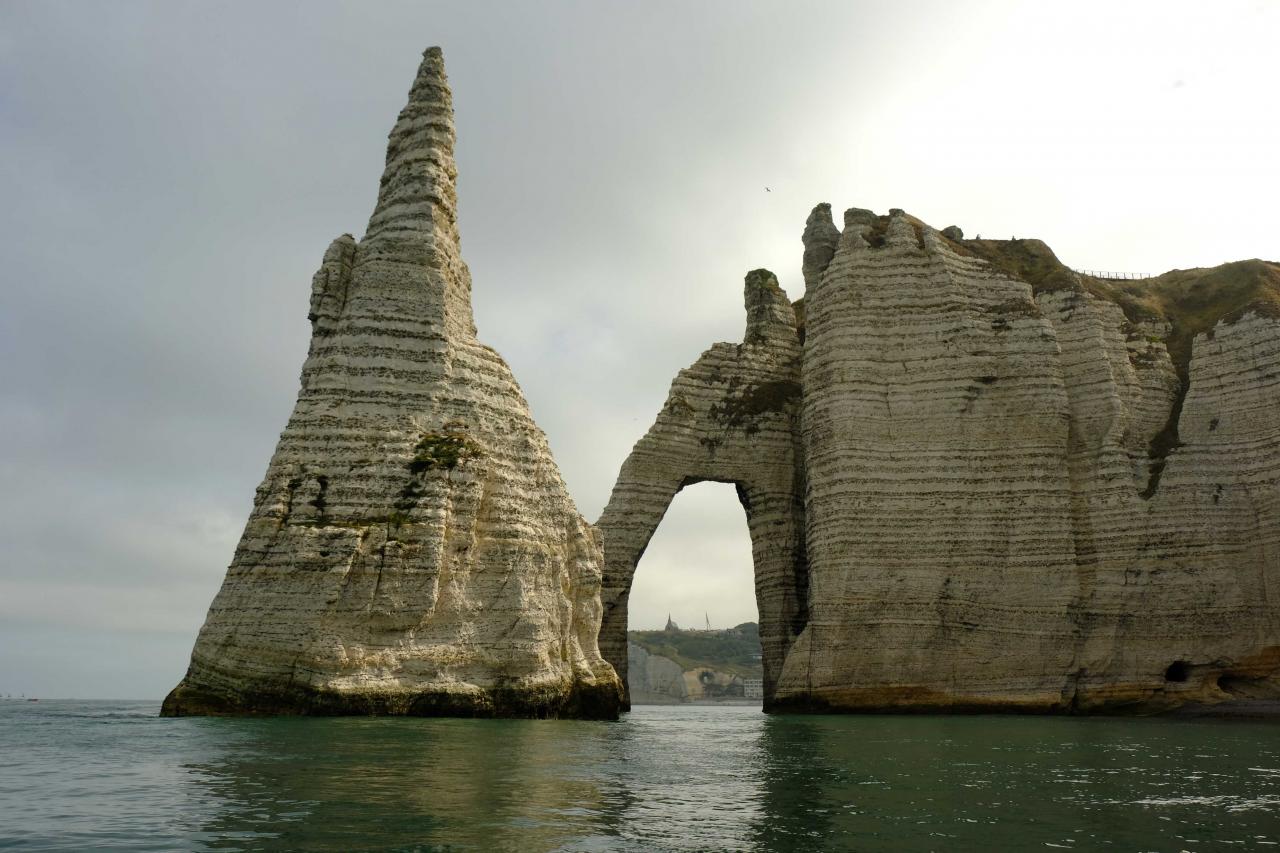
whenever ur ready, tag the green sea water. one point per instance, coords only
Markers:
(112, 776)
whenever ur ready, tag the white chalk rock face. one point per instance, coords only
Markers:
(1027, 490)
(730, 417)
(938, 505)
(653, 679)
(413, 548)
(976, 480)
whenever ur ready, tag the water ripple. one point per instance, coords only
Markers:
(112, 776)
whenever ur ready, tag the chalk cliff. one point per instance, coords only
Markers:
(654, 679)
(993, 483)
(412, 548)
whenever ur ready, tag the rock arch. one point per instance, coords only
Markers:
(732, 417)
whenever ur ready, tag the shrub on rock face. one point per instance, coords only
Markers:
(442, 450)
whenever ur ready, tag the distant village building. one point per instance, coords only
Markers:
(753, 688)
(671, 625)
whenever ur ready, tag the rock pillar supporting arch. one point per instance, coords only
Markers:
(732, 417)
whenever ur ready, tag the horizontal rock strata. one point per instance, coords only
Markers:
(1023, 488)
(973, 480)
(1015, 498)
(731, 417)
(412, 548)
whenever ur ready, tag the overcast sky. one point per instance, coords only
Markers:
(171, 173)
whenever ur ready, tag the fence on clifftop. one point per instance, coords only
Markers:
(1114, 276)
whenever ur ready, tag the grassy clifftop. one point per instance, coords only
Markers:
(734, 650)
(1193, 301)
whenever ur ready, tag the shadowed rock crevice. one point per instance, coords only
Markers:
(1166, 441)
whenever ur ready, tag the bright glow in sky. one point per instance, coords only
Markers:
(173, 171)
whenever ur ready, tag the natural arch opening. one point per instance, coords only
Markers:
(774, 517)
(732, 417)
(693, 621)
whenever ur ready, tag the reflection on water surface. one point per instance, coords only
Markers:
(111, 776)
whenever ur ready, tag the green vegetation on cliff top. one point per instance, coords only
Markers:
(735, 650)
(1193, 301)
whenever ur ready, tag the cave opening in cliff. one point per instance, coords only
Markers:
(693, 633)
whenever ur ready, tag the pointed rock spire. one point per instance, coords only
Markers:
(413, 548)
(770, 317)
(415, 225)
(820, 239)
(418, 192)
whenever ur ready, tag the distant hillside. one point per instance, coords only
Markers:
(733, 650)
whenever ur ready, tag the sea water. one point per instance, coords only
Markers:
(113, 776)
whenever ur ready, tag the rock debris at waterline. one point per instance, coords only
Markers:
(413, 548)
(973, 479)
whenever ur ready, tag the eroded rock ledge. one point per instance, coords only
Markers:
(994, 484)
(412, 548)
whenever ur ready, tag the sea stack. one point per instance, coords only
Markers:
(413, 548)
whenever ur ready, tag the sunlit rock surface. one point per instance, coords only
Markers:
(1012, 487)
(412, 548)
